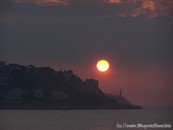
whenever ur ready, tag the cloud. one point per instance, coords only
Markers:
(39, 2)
(151, 8)
(134, 8)
(44, 2)
(4, 19)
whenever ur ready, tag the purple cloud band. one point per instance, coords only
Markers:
(150, 8)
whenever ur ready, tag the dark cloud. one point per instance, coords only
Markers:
(150, 8)
(72, 30)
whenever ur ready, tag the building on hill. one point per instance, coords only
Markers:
(68, 75)
(91, 84)
(2, 64)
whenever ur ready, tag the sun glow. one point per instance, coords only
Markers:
(102, 65)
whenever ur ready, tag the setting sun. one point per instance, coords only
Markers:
(102, 65)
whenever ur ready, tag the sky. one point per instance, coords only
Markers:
(135, 36)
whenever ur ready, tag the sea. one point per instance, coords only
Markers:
(145, 119)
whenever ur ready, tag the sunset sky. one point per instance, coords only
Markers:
(135, 36)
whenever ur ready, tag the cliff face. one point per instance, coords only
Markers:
(29, 87)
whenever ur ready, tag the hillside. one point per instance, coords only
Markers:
(30, 87)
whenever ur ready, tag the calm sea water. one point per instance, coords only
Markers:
(82, 119)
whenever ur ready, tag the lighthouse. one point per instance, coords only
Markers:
(120, 93)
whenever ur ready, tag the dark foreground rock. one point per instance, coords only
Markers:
(30, 87)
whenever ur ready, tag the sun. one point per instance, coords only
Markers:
(102, 65)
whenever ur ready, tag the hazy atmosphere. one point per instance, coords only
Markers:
(135, 36)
